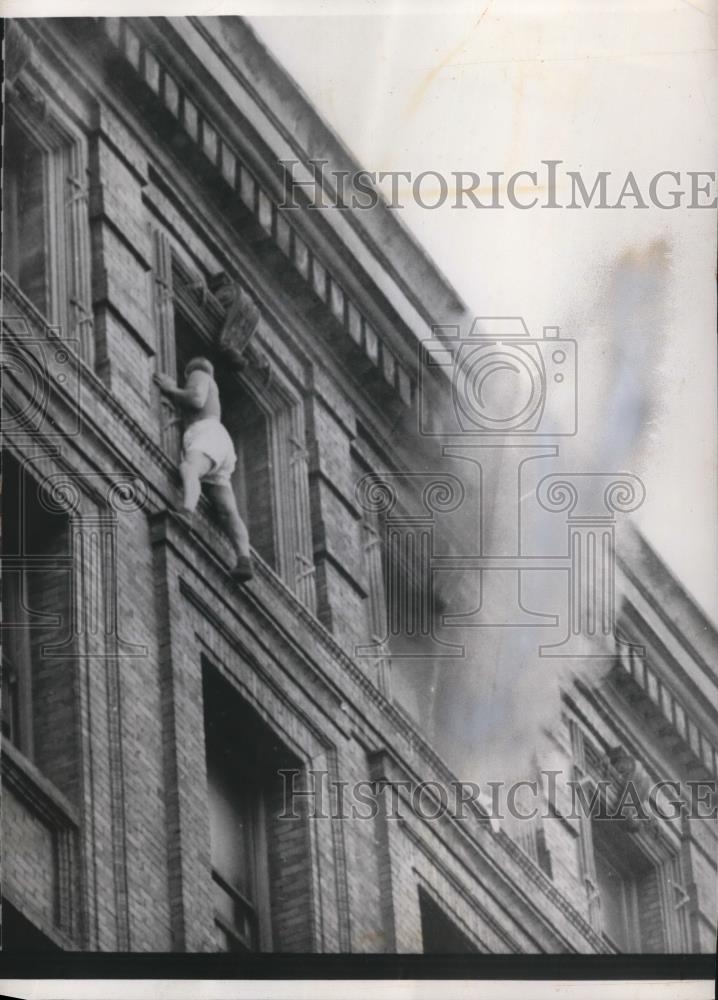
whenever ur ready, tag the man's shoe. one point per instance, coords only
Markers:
(243, 569)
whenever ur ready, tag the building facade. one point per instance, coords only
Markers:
(175, 748)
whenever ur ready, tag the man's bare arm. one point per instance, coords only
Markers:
(193, 396)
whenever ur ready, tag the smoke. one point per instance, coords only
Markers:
(623, 392)
(487, 712)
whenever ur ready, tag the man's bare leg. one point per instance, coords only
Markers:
(226, 507)
(193, 467)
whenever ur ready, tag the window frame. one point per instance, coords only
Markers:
(428, 901)
(233, 761)
(177, 288)
(259, 907)
(375, 567)
(19, 667)
(19, 617)
(629, 906)
(66, 237)
(662, 859)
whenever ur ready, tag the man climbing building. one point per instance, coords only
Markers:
(208, 455)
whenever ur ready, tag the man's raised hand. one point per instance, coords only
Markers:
(165, 383)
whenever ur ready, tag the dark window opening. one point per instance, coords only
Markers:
(239, 851)
(439, 933)
(257, 857)
(617, 896)
(25, 215)
(250, 428)
(10, 702)
(629, 888)
(543, 854)
(17, 933)
(35, 583)
(188, 344)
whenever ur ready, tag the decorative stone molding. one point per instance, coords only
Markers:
(19, 51)
(66, 200)
(639, 670)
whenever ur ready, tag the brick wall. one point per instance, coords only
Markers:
(54, 693)
(28, 874)
(289, 876)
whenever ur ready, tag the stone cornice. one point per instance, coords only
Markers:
(274, 91)
(234, 174)
(642, 566)
(638, 673)
(671, 662)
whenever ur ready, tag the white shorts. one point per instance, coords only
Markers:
(210, 437)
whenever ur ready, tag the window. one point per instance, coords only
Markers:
(249, 428)
(253, 479)
(35, 586)
(376, 605)
(642, 899)
(632, 873)
(189, 343)
(264, 416)
(46, 237)
(631, 889)
(524, 822)
(239, 852)
(19, 934)
(440, 935)
(677, 899)
(262, 411)
(543, 854)
(25, 214)
(10, 703)
(16, 665)
(618, 905)
(260, 869)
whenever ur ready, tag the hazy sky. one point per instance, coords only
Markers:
(499, 87)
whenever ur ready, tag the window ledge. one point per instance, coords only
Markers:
(28, 783)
